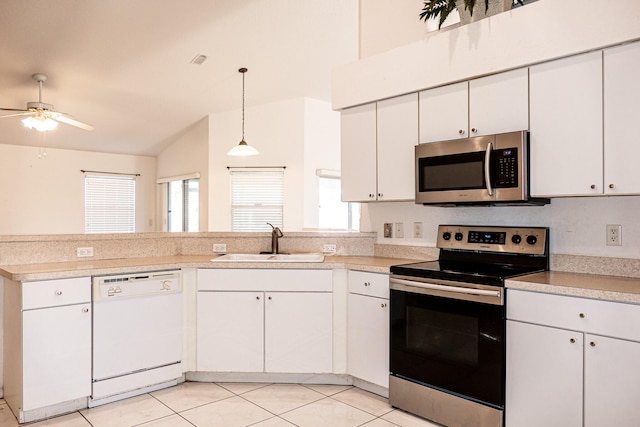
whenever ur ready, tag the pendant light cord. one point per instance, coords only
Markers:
(242, 70)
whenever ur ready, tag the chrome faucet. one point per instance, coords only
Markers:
(276, 233)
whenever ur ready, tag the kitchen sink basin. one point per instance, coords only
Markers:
(270, 258)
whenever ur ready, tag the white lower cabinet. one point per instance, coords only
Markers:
(560, 373)
(368, 327)
(47, 346)
(265, 321)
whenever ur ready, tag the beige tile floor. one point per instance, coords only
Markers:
(238, 404)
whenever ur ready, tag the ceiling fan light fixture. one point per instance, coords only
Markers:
(39, 123)
(243, 149)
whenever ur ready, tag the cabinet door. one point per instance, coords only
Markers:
(566, 126)
(368, 339)
(358, 153)
(230, 331)
(56, 355)
(444, 113)
(397, 137)
(621, 111)
(612, 382)
(499, 103)
(544, 376)
(298, 332)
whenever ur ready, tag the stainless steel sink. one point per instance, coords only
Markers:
(270, 258)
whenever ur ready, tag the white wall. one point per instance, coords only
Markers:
(321, 151)
(45, 195)
(302, 134)
(188, 154)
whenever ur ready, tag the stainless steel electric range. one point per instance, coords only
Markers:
(447, 344)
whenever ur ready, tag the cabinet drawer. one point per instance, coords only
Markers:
(608, 318)
(371, 284)
(51, 293)
(265, 280)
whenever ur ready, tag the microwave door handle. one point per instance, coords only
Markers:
(487, 168)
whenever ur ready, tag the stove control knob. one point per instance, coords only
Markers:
(532, 240)
(458, 236)
(516, 238)
(446, 235)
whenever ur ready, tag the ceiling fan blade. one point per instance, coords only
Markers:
(23, 113)
(15, 109)
(73, 122)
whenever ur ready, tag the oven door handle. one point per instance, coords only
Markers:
(487, 168)
(447, 288)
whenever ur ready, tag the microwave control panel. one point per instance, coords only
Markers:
(506, 170)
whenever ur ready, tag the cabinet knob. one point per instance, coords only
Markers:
(367, 283)
(58, 292)
(593, 186)
(582, 315)
(257, 298)
(612, 186)
(474, 130)
(85, 310)
(572, 340)
(371, 195)
(383, 305)
(269, 297)
(379, 194)
(592, 344)
(461, 131)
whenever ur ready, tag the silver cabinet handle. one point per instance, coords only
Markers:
(85, 310)
(58, 292)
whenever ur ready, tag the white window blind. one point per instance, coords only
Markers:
(109, 204)
(257, 197)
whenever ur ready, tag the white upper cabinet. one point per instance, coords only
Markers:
(358, 153)
(377, 150)
(494, 104)
(444, 113)
(621, 111)
(499, 103)
(566, 127)
(397, 137)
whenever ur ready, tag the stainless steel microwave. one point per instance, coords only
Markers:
(483, 170)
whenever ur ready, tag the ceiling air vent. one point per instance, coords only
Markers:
(198, 59)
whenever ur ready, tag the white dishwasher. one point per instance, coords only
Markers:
(137, 334)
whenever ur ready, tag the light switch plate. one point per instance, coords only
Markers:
(399, 230)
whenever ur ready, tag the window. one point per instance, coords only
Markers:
(109, 204)
(183, 205)
(257, 197)
(334, 213)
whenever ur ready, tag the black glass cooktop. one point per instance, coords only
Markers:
(471, 272)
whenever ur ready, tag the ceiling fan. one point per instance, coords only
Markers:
(41, 116)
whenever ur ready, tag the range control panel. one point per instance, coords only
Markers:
(520, 240)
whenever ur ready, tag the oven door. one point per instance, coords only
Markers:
(451, 344)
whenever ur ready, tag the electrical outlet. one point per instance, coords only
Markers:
(219, 248)
(388, 229)
(399, 230)
(84, 252)
(614, 235)
(328, 249)
(417, 230)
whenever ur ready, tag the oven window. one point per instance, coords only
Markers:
(452, 172)
(452, 345)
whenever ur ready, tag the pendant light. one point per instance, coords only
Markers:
(242, 149)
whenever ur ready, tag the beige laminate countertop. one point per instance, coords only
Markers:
(610, 288)
(47, 271)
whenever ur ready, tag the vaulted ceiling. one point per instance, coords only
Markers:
(124, 65)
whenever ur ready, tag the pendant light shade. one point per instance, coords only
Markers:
(242, 149)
